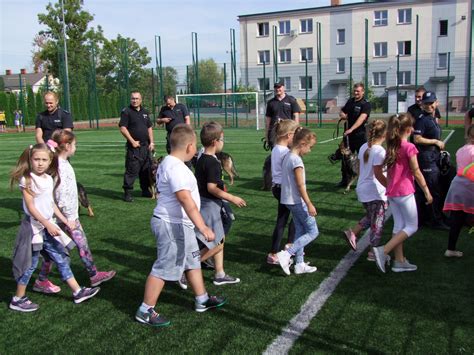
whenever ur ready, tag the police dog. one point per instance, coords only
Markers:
(267, 173)
(228, 165)
(84, 199)
(350, 165)
(154, 164)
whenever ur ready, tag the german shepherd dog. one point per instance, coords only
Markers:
(154, 164)
(228, 165)
(350, 165)
(84, 199)
(267, 174)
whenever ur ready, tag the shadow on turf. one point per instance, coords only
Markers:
(112, 194)
(14, 204)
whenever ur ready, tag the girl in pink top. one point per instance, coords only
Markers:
(402, 167)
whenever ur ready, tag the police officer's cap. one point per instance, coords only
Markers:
(278, 84)
(429, 97)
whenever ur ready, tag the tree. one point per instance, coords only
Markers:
(170, 80)
(210, 77)
(30, 102)
(2, 84)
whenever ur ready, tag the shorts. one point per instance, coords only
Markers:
(211, 213)
(177, 250)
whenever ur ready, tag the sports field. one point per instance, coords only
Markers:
(430, 311)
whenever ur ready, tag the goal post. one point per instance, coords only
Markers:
(233, 109)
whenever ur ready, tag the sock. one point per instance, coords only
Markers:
(145, 307)
(219, 275)
(16, 299)
(75, 293)
(202, 298)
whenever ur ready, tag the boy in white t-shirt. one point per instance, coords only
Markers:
(371, 187)
(174, 218)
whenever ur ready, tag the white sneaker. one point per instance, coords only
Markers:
(304, 268)
(380, 258)
(453, 253)
(284, 260)
(403, 267)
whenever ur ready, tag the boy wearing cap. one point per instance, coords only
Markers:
(280, 107)
(427, 138)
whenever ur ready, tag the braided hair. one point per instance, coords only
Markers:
(375, 130)
(397, 125)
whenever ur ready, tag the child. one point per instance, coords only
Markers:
(211, 189)
(66, 198)
(174, 217)
(38, 230)
(296, 199)
(402, 166)
(284, 132)
(371, 187)
(460, 198)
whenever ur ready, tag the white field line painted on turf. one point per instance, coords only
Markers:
(283, 343)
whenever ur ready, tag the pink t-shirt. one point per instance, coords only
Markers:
(400, 178)
(465, 156)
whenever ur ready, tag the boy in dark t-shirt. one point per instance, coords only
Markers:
(211, 189)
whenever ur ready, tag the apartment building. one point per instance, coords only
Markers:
(290, 38)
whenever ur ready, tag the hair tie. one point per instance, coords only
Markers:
(52, 145)
(31, 146)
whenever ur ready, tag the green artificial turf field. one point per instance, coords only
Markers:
(427, 311)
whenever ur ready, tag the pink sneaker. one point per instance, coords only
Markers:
(272, 259)
(102, 276)
(351, 239)
(46, 286)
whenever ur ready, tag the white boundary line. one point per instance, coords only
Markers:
(316, 300)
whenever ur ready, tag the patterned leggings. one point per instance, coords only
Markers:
(79, 237)
(374, 219)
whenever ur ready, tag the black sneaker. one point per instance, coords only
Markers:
(127, 196)
(85, 293)
(212, 302)
(150, 317)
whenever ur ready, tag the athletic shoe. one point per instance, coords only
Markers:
(102, 276)
(453, 253)
(183, 282)
(304, 268)
(380, 258)
(150, 317)
(404, 266)
(284, 260)
(127, 196)
(212, 302)
(272, 259)
(23, 305)
(85, 293)
(370, 256)
(350, 238)
(46, 286)
(227, 279)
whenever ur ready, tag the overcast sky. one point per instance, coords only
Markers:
(142, 20)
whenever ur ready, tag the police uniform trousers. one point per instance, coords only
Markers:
(137, 164)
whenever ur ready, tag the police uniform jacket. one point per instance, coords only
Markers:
(137, 123)
(59, 119)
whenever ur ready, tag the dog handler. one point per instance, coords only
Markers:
(171, 114)
(136, 127)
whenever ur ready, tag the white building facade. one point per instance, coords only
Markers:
(444, 29)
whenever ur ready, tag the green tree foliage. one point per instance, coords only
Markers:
(210, 77)
(39, 102)
(3, 101)
(2, 84)
(30, 102)
(170, 80)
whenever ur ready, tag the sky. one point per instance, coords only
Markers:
(173, 21)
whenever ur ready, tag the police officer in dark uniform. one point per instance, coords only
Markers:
(356, 113)
(280, 107)
(52, 119)
(135, 125)
(171, 114)
(427, 138)
(416, 110)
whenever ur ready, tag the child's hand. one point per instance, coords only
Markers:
(207, 233)
(71, 224)
(429, 198)
(239, 202)
(53, 229)
(312, 210)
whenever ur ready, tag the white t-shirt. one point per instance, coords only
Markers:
(368, 187)
(290, 194)
(278, 153)
(173, 176)
(66, 193)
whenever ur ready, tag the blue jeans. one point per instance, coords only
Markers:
(25, 278)
(306, 230)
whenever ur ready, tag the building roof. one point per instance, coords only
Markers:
(12, 82)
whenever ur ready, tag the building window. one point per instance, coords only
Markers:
(443, 27)
(286, 80)
(341, 36)
(263, 84)
(380, 18)
(284, 27)
(263, 29)
(306, 25)
(404, 78)
(442, 60)
(379, 78)
(341, 65)
(404, 16)
(285, 55)
(263, 57)
(380, 49)
(306, 54)
(404, 48)
(303, 82)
